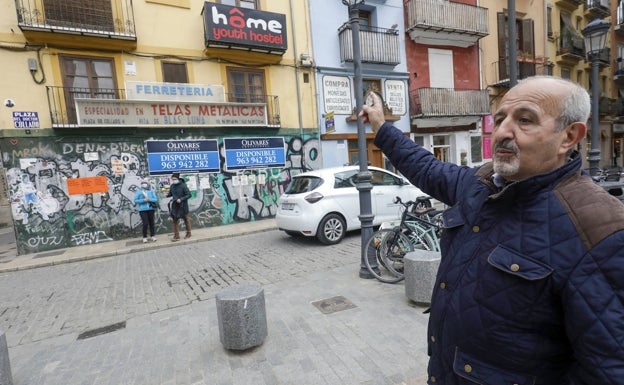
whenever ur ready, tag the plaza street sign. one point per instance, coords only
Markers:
(25, 119)
(245, 153)
(186, 156)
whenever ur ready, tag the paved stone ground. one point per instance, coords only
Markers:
(163, 302)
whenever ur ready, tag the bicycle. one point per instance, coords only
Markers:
(387, 247)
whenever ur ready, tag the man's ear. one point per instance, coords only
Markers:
(573, 134)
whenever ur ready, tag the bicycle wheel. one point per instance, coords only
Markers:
(386, 249)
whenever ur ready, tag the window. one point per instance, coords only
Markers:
(82, 14)
(251, 4)
(174, 72)
(566, 73)
(475, 149)
(364, 19)
(525, 46)
(549, 29)
(380, 178)
(246, 85)
(345, 179)
(441, 147)
(85, 77)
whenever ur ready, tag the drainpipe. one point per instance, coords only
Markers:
(297, 85)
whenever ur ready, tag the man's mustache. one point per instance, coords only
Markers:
(507, 145)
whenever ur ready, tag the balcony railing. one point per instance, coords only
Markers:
(448, 102)
(604, 57)
(61, 101)
(377, 45)
(525, 68)
(570, 50)
(598, 8)
(446, 23)
(100, 18)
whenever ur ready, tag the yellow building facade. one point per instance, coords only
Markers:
(89, 86)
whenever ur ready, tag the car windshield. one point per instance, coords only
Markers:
(303, 184)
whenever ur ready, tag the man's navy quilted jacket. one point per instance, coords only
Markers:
(530, 285)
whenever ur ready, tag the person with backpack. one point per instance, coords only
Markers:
(147, 202)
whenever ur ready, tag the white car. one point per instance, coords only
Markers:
(325, 203)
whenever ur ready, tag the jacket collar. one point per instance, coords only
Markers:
(530, 185)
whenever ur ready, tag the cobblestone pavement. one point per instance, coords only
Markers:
(162, 302)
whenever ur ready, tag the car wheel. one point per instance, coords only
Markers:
(331, 229)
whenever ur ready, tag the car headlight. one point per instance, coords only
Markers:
(314, 197)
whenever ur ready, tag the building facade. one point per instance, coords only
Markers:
(447, 101)
(549, 41)
(98, 95)
(383, 67)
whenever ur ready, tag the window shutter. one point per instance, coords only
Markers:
(502, 46)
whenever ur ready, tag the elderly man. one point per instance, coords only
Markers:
(530, 285)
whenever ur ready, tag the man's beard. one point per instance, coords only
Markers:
(510, 165)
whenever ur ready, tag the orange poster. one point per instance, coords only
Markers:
(90, 185)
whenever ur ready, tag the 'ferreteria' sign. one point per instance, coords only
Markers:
(136, 113)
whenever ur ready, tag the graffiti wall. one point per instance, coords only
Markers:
(47, 217)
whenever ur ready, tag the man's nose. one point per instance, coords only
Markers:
(505, 128)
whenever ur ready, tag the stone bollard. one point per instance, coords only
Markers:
(420, 269)
(242, 316)
(5, 365)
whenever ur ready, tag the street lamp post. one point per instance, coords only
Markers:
(364, 185)
(595, 36)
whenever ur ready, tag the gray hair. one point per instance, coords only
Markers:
(575, 107)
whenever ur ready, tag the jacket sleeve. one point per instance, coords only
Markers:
(138, 197)
(593, 303)
(186, 192)
(439, 179)
(152, 196)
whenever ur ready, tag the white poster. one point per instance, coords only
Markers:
(337, 95)
(395, 96)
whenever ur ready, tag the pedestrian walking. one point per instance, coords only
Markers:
(178, 206)
(530, 284)
(146, 201)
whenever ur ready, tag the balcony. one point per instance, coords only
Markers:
(605, 58)
(526, 67)
(78, 23)
(61, 101)
(435, 22)
(597, 9)
(443, 107)
(570, 5)
(571, 49)
(377, 45)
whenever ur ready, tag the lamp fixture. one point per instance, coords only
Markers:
(595, 35)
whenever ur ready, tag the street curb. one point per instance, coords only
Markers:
(76, 254)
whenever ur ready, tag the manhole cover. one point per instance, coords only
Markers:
(102, 330)
(49, 254)
(333, 304)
